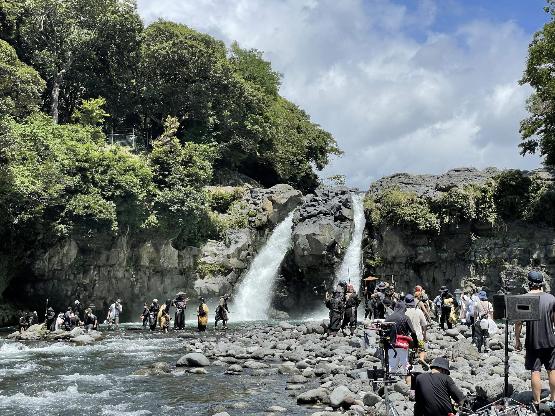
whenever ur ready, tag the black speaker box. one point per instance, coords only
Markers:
(523, 307)
(516, 307)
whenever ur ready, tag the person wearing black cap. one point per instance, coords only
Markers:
(433, 391)
(540, 339)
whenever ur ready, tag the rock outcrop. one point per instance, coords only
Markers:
(464, 255)
(321, 233)
(137, 268)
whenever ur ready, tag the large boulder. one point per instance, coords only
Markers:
(313, 396)
(193, 359)
(341, 396)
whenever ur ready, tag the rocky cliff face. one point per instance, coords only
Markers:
(139, 268)
(321, 233)
(458, 256)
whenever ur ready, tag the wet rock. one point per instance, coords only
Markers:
(75, 332)
(234, 369)
(197, 370)
(276, 409)
(83, 339)
(193, 359)
(154, 369)
(313, 396)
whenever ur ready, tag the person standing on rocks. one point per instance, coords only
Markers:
(144, 315)
(222, 311)
(421, 299)
(378, 299)
(540, 339)
(180, 304)
(90, 320)
(448, 302)
(433, 391)
(350, 314)
(78, 310)
(483, 311)
(419, 323)
(202, 316)
(114, 312)
(50, 319)
(404, 333)
(153, 310)
(369, 288)
(335, 304)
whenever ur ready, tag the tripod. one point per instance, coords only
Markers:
(383, 376)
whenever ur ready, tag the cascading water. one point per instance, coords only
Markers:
(350, 269)
(253, 299)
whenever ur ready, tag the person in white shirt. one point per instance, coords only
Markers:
(114, 312)
(419, 323)
(483, 310)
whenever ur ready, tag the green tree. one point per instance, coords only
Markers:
(20, 85)
(56, 180)
(81, 48)
(253, 68)
(180, 173)
(90, 112)
(538, 129)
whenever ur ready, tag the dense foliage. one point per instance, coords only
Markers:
(510, 196)
(538, 129)
(93, 67)
(20, 85)
(99, 50)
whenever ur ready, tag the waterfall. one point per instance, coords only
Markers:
(350, 269)
(254, 296)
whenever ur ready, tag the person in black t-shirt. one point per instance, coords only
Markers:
(433, 391)
(540, 339)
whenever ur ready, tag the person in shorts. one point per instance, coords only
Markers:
(540, 339)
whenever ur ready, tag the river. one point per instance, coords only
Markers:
(62, 379)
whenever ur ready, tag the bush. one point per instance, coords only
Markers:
(512, 194)
(405, 210)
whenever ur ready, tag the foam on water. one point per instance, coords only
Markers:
(86, 378)
(47, 398)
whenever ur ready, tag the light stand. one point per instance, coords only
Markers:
(510, 308)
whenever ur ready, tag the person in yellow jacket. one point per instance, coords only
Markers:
(202, 315)
(163, 317)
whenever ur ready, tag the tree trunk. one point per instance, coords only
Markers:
(55, 95)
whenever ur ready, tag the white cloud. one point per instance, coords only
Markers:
(396, 95)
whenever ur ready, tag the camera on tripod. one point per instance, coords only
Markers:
(382, 328)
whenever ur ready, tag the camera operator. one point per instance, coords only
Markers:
(540, 339)
(398, 350)
(433, 391)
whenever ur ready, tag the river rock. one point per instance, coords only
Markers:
(371, 399)
(193, 359)
(276, 409)
(313, 396)
(342, 396)
(84, 339)
(154, 369)
(234, 369)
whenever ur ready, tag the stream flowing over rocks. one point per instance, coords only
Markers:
(260, 368)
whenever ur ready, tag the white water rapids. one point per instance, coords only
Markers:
(350, 269)
(253, 299)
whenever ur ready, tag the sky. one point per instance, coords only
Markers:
(417, 86)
